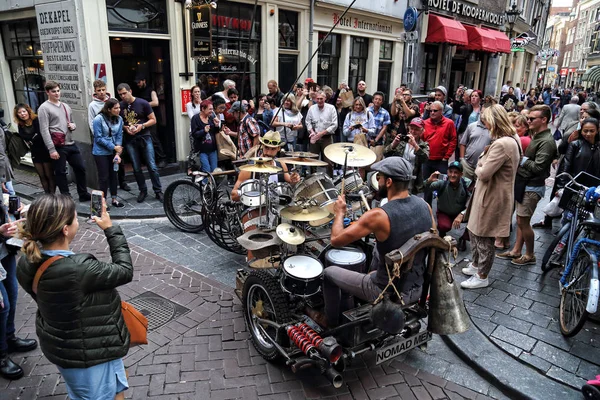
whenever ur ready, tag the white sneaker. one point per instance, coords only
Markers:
(475, 282)
(470, 269)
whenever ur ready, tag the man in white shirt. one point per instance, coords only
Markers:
(321, 123)
(518, 92)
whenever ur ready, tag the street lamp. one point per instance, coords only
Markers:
(511, 17)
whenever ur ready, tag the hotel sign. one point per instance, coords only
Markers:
(468, 10)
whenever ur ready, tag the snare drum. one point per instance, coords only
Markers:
(349, 258)
(282, 191)
(302, 275)
(317, 187)
(250, 193)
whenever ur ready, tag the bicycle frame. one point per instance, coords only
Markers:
(585, 244)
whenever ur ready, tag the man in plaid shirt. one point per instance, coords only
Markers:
(382, 119)
(248, 129)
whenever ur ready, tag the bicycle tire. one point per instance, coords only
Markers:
(546, 265)
(185, 215)
(573, 300)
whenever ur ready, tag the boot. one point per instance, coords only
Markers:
(8, 368)
(17, 345)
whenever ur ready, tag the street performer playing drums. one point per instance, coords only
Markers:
(271, 144)
(393, 224)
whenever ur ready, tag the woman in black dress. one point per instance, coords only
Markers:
(29, 130)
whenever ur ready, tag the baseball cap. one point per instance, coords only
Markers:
(397, 168)
(140, 77)
(442, 89)
(456, 164)
(417, 122)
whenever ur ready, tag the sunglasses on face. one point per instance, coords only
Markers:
(271, 142)
(434, 110)
(532, 118)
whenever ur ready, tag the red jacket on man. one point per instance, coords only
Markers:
(441, 138)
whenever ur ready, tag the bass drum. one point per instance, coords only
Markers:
(302, 275)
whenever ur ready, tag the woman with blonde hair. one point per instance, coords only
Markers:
(79, 322)
(492, 204)
(359, 120)
(287, 120)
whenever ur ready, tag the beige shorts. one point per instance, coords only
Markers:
(527, 207)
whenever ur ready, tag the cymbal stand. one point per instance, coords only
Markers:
(263, 187)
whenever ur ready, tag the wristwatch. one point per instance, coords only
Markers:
(143, 127)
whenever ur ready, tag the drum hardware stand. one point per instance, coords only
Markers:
(263, 184)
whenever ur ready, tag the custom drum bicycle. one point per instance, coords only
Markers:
(274, 302)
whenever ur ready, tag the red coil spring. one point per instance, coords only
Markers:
(311, 334)
(299, 339)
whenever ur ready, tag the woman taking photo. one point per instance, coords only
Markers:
(359, 120)
(107, 148)
(79, 322)
(493, 197)
(287, 121)
(29, 130)
(205, 127)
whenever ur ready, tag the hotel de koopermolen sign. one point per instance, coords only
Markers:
(468, 10)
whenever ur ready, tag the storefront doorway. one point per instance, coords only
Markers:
(151, 58)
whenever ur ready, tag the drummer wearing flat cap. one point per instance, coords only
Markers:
(271, 143)
(393, 224)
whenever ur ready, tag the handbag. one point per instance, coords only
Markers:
(136, 323)
(225, 146)
(347, 98)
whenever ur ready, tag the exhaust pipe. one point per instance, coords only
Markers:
(334, 377)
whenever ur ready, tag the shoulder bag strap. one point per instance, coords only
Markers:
(66, 113)
(40, 271)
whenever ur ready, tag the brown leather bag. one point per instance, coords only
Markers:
(136, 323)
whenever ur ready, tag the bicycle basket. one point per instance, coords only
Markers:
(574, 195)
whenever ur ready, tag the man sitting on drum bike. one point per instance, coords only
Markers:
(402, 217)
(271, 144)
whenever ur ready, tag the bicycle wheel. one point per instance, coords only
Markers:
(183, 205)
(553, 256)
(573, 300)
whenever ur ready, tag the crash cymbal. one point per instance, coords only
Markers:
(301, 154)
(260, 160)
(302, 161)
(297, 213)
(260, 168)
(290, 234)
(358, 155)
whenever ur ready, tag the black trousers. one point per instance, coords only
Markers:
(157, 144)
(71, 154)
(107, 176)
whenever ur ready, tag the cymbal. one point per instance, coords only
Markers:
(260, 168)
(302, 161)
(358, 155)
(290, 234)
(260, 160)
(322, 221)
(297, 213)
(301, 154)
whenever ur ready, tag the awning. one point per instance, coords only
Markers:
(592, 74)
(480, 39)
(445, 30)
(502, 41)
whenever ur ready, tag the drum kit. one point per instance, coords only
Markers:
(287, 229)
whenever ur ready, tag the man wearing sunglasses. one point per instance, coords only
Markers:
(530, 185)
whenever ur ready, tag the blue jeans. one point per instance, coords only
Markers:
(208, 161)
(136, 147)
(9, 290)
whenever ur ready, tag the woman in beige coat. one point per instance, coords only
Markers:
(493, 199)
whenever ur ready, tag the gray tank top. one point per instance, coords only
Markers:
(408, 217)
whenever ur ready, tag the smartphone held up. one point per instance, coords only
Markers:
(96, 204)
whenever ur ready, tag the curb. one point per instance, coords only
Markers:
(511, 377)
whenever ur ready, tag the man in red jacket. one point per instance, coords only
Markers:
(440, 133)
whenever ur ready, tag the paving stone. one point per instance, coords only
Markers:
(556, 356)
(555, 339)
(530, 316)
(536, 362)
(588, 370)
(494, 304)
(481, 312)
(542, 298)
(566, 377)
(513, 337)
(485, 326)
(509, 348)
(511, 322)
(545, 309)
(508, 287)
(589, 353)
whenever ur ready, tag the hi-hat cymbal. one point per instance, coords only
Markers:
(260, 160)
(260, 168)
(297, 213)
(302, 161)
(301, 154)
(358, 155)
(290, 234)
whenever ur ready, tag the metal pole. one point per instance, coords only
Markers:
(310, 34)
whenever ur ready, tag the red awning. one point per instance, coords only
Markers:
(445, 30)
(502, 41)
(480, 39)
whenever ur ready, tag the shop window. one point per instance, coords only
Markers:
(288, 30)
(385, 50)
(137, 15)
(235, 49)
(24, 57)
(429, 68)
(329, 58)
(359, 52)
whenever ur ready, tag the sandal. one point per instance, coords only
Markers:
(507, 255)
(524, 260)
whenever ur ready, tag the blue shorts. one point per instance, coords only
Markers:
(100, 382)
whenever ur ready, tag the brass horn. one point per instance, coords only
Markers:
(447, 313)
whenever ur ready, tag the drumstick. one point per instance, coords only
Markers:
(364, 199)
(344, 173)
